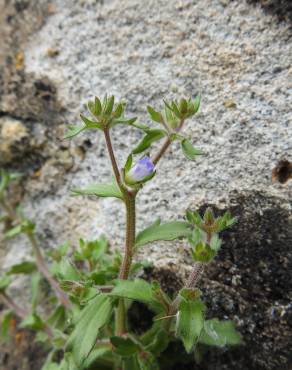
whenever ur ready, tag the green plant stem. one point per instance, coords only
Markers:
(113, 158)
(130, 203)
(43, 269)
(121, 318)
(192, 281)
(128, 256)
(9, 303)
(20, 312)
(163, 149)
(166, 144)
(40, 261)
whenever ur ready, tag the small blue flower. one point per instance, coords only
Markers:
(141, 171)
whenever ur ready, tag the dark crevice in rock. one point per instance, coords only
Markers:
(281, 8)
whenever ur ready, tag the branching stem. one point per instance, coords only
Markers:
(166, 144)
(130, 203)
(112, 157)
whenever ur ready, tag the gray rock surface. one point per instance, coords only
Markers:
(59, 54)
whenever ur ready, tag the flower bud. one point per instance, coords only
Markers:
(142, 171)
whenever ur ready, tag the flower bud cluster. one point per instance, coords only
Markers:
(204, 239)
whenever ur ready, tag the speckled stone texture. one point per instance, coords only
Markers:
(58, 54)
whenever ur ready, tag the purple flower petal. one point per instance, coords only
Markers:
(141, 169)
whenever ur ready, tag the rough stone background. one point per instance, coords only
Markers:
(55, 55)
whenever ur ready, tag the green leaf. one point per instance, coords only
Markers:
(67, 271)
(148, 363)
(209, 217)
(109, 106)
(124, 346)
(138, 290)
(137, 125)
(220, 333)
(97, 105)
(175, 109)
(190, 322)
(90, 124)
(197, 236)
(68, 363)
(189, 151)
(58, 318)
(130, 122)
(26, 267)
(91, 107)
(215, 243)
(91, 319)
(194, 218)
(183, 106)
(58, 253)
(51, 366)
(171, 119)
(167, 231)
(32, 321)
(156, 339)
(25, 227)
(6, 178)
(202, 252)
(92, 250)
(5, 281)
(196, 104)
(151, 136)
(225, 221)
(74, 130)
(100, 190)
(119, 110)
(12, 233)
(95, 354)
(129, 162)
(5, 325)
(131, 363)
(35, 289)
(190, 294)
(155, 116)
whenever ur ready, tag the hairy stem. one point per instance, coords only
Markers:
(192, 281)
(112, 156)
(129, 199)
(43, 269)
(163, 149)
(128, 256)
(166, 144)
(130, 202)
